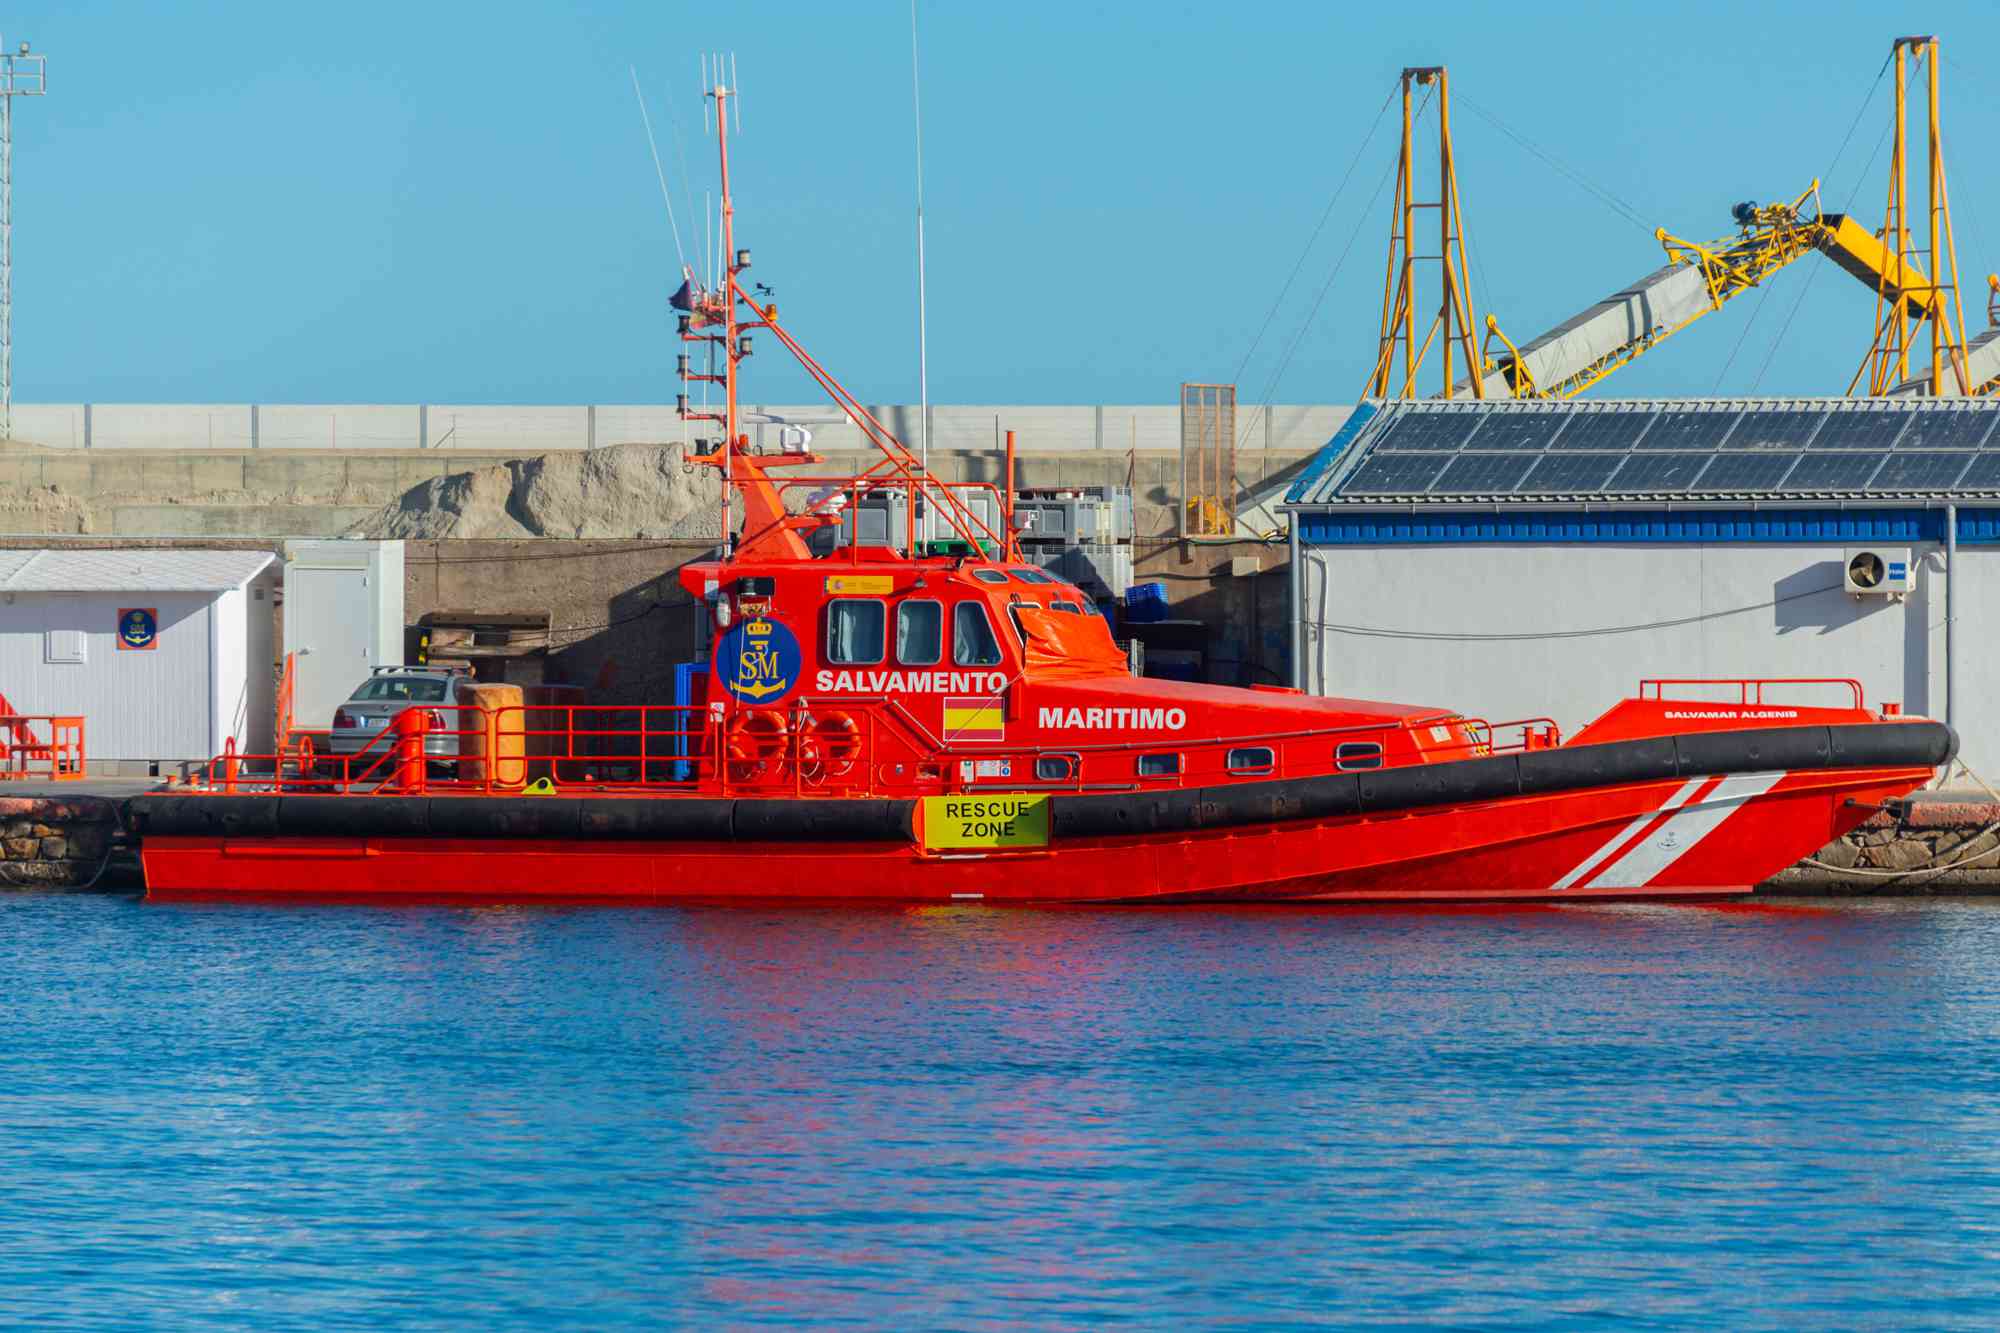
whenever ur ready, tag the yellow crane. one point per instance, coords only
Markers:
(1698, 279)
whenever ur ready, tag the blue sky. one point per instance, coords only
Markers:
(453, 201)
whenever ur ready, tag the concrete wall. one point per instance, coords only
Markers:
(293, 493)
(231, 470)
(1512, 631)
(519, 430)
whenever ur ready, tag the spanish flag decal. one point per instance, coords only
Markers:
(974, 720)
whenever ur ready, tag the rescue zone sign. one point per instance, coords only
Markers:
(956, 822)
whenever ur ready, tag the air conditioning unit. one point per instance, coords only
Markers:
(1879, 572)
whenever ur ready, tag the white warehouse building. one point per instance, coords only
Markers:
(1528, 559)
(165, 654)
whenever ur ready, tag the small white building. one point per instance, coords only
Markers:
(166, 654)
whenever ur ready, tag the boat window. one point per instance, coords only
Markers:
(1031, 575)
(1357, 754)
(1055, 768)
(1061, 604)
(1252, 759)
(989, 576)
(1014, 614)
(920, 633)
(1159, 765)
(973, 642)
(854, 630)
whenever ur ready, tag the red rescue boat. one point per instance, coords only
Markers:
(933, 719)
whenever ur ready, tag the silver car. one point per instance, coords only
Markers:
(359, 723)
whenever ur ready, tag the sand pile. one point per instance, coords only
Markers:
(626, 490)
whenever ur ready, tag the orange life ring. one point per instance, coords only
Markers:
(756, 746)
(836, 743)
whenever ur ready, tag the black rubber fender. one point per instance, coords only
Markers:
(353, 816)
(1757, 750)
(1923, 744)
(1118, 814)
(1612, 764)
(503, 817)
(1912, 744)
(1265, 802)
(672, 819)
(1448, 783)
(205, 816)
(783, 820)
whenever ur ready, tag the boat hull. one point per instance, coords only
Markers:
(1699, 836)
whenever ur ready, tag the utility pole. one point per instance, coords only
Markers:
(21, 75)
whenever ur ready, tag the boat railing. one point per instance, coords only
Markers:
(856, 488)
(816, 748)
(1749, 690)
(508, 749)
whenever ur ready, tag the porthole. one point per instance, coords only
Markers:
(1252, 759)
(1055, 768)
(1159, 765)
(1350, 755)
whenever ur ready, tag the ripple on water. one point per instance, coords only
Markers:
(429, 1116)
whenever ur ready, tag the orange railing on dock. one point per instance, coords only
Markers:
(57, 756)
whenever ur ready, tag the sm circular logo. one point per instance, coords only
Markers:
(138, 627)
(758, 661)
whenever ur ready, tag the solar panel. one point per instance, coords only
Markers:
(1394, 474)
(1943, 428)
(1833, 472)
(1483, 474)
(1427, 430)
(1568, 474)
(1926, 471)
(1760, 470)
(1602, 430)
(1983, 475)
(1517, 430)
(1861, 428)
(1768, 429)
(1658, 472)
(1689, 429)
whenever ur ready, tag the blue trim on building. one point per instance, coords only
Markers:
(1331, 451)
(1362, 527)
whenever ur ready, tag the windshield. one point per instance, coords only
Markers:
(401, 689)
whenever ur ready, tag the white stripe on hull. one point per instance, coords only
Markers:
(1661, 843)
(1624, 835)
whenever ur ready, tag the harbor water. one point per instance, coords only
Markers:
(319, 1116)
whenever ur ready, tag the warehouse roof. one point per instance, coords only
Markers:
(130, 570)
(1648, 450)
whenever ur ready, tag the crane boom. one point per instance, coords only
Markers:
(1590, 345)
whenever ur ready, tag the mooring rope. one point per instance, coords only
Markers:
(1928, 869)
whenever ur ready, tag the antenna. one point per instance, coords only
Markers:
(658, 170)
(923, 332)
(21, 75)
(737, 91)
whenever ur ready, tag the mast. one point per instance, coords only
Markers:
(768, 529)
(730, 262)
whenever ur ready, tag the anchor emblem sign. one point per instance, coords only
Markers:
(758, 661)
